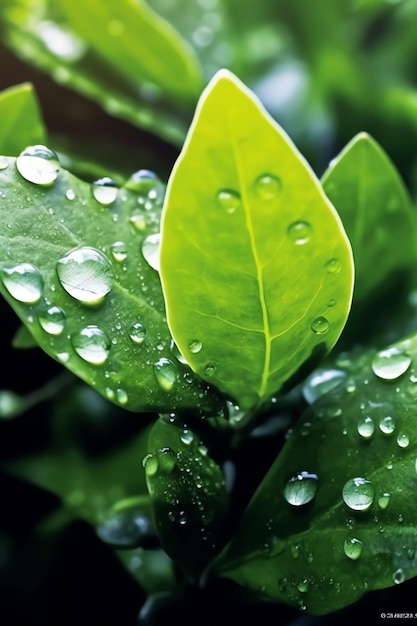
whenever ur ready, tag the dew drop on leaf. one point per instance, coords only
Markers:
(148, 186)
(299, 232)
(320, 325)
(303, 585)
(52, 320)
(104, 190)
(187, 436)
(333, 266)
(366, 427)
(301, 488)
(358, 494)
(118, 251)
(165, 373)
(398, 576)
(195, 346)
(39, 165)
(150, 463)
(138, 220)
(403, 440)
(229, 200)
(384, 500)
(137, 332)
(70, 194)
(91, 344)
(210, 369)
(23, 281)
(267, 187)
(121, 396)
(353, 548)
(391, 363)
(150, 250)
(387, 425)
(86, 274)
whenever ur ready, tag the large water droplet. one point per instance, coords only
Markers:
(118, 251)
(104, 190)
(358, 494)
(301, 488)
(39, 165)
(387, 425)
(320, 325)
(403, 440)
(52, 320)
(165, 373)
(398, 576)
(187, 436)
(137, 332)
(366, 427)
(391, 363)
(91, 344)
(150, 250)
(353, 548)
(195, 346)
(299, 232)
(23, 281)
(229, 200)
(267, 187)
(86, 274)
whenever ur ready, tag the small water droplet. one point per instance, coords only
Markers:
(366, 427)
(267, 187)
(195, 346)
(39, 165)
(4, 164)
(86, 274)
(353, 548)
(331, 303)
(150, 250)
(187, 436)
(301, 488)
(52, 320)
(150, 463)
(165, 373)
(398, 576)
(121, 396)
(358, 494)
(391, 363)
(303, 585)
(403, 440)
(384, 500)
(210, 369)
(137, 332)
(104, 190)
(333, 266)
(23, 281)
(91, 344)
(148, 186)
(320, 325)
(70, 194)
(299, 232)
(387, 425)
(229, 200)
(118, 251)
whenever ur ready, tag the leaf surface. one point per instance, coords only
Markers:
(310, 536)
(21, 119)
(255, 265)
(100, 312)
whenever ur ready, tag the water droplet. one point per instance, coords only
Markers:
(165, 373)
(148, 186)
(70, 194)
(195, 346)
(366, 427)
(267, 187)
(187, 436)
(86, 274)
(24, 282)
(353, 548)
(333, 266)
(299, 232)
(4, 164)
(39, 165)
(384, 500)
(387, 425)
(358, 494)
(320, 325)
(104, 190)
(301, 488)
(150, 250)
(91, 344)
(137, 332)
(118, 251)
(210, 369)
(398, 576)
(403, 440)
(331, 303)
(52, 320)
(303, 585)
(121, 396)
(391, 363)
(320, 382)
(150, 463)
(229, 200)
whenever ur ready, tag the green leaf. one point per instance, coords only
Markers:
(310, 536)
(255, 265)
(188, 494)
(21, 119)
(375, 207)
(100, 310)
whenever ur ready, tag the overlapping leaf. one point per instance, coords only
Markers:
(21, 119)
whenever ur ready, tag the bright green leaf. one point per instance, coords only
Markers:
(335, 515)
(255, 265)
(21, 119)
(375, 207)
(74, 269)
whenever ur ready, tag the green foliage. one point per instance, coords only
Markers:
(22, 122)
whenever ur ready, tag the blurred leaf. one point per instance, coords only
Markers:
(255, 265)
(75, 270)
(335, 516)
(21, 119)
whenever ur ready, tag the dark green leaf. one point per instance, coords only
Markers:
(99, 311)
(21, 119)
(335, 515)
(255, 265)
